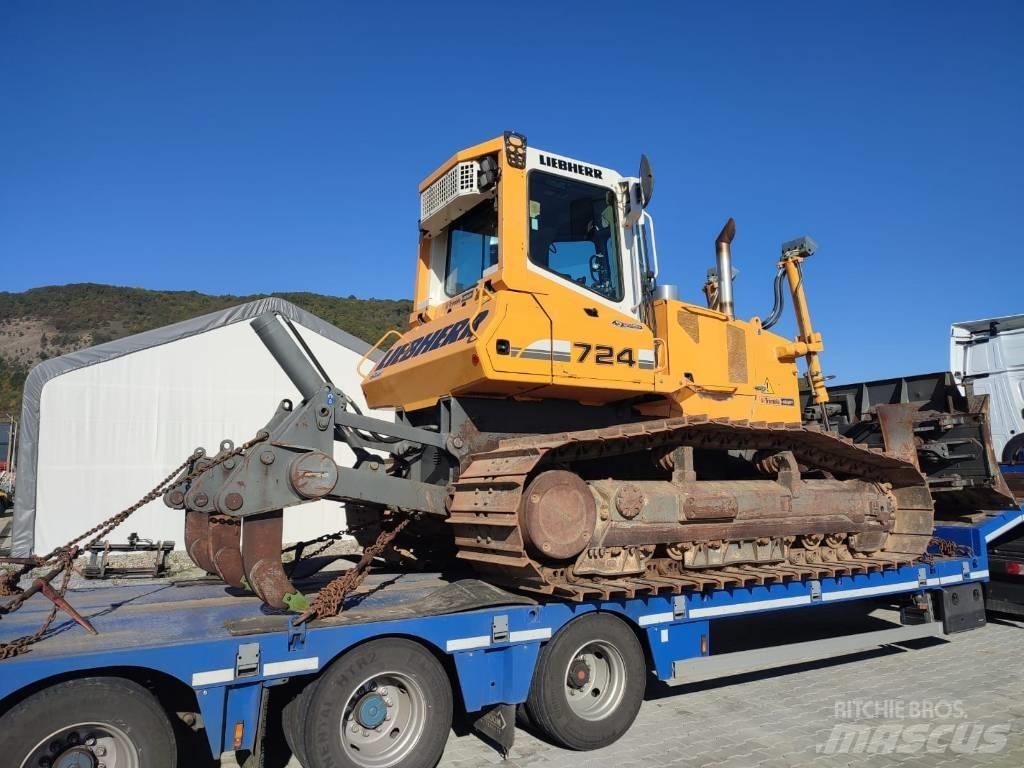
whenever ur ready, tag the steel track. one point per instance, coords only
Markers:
(484, 510)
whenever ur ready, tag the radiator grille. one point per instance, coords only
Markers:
(736, 344)
(460, 180)
(689, 323)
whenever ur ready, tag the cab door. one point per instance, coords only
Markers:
(582, 262)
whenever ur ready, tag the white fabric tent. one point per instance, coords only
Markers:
(103, 426)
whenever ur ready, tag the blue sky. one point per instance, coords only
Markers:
(251, 147)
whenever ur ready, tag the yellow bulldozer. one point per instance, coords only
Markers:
(565, 424)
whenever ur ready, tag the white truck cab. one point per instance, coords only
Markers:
(989, 354)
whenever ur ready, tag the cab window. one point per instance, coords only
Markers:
(472, 247)
(573, 233)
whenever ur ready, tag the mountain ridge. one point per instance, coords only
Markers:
(52, 320)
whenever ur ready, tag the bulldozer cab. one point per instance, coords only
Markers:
(541, 263)
(540, 223)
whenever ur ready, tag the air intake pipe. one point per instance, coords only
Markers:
(723, 250)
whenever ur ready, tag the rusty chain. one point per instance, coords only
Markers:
(9, 582)
(329, 600)
(326, 540)
(65, 555)
(326, 603)
(946, 548)
(21, 644)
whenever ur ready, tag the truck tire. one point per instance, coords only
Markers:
(1013, 449)
(96, 719)
(385, 704)
(293, 722)
(589, 683)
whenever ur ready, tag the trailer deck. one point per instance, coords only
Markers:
(230, 650)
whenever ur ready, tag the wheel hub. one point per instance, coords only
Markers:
(371, 710)
(579, 674)
(76, 757)
(85, 745)
(383, 720)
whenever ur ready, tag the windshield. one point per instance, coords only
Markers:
(573, 234)
(472, 247)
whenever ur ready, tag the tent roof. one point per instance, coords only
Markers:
(23, 524)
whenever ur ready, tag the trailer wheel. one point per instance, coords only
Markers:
(1013, 450)
(89, 722)
(293, 722)
(385, 704)
(589, 683)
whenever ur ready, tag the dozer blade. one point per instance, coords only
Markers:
(225, 548)
(197, 539)
(261, 560)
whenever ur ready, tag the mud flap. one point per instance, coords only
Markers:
(261, 561)
(497, 725)
(963, 608)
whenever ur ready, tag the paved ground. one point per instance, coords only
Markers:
(955, 703)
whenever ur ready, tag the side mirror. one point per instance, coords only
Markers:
(638, 195)
(646, 180)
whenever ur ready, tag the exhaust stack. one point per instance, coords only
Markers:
(723, 251)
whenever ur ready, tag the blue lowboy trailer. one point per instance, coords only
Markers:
(180, 660)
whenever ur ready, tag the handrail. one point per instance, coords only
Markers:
(660, 362)
(476, 309)
(649, 221)
(370, 351)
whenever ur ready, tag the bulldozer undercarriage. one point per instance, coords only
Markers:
(522, 518)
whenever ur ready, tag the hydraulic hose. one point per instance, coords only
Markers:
(780, 301)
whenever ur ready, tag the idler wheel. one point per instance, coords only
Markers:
(558, 515)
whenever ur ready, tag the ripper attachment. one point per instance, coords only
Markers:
(234, 506)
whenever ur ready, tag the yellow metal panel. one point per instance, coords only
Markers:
(704, 372)
(421, 295)
(522, 322)
(596, 347)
